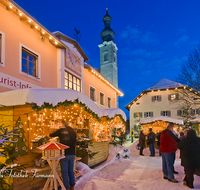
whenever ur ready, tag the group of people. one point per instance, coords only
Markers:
(189, 145)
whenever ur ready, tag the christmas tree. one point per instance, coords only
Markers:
(119, 137)
(6, 150)
(20, 145)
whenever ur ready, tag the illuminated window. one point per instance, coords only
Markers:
(72, 82)
(137, 114)
(109, 102)
(29, 62)
(102, 98)
(173, 97)
(92, 93)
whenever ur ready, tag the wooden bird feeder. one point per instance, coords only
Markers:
(53, 152)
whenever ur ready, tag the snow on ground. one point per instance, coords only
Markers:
(135, 173)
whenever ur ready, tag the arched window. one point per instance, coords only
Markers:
(106, 57)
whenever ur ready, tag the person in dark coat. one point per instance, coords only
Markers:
(151, 141)
(141, 142)
(67, 137)
(158, 141)
(190, 156)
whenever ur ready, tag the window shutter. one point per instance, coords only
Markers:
(152, 98)
(178, 112)
(169, 97)
(191, 112)
(145, 114)
(161, 113)
(177, 96)
(159, 98)
(169, 113)
(140, 114)
(151, 114)
(134, 115)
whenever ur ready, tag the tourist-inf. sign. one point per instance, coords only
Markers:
(15, 83)
(132, 133)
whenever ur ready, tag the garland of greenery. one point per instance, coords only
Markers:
(120, 116)
(67, 103)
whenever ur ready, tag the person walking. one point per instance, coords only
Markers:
(151, 141)
(158, 141)
(190, 156)
(141, 142)
(67, 137)
(168, 147)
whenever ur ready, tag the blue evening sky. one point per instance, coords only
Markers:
(153, 37)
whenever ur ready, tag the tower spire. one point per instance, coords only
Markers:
(107, 33)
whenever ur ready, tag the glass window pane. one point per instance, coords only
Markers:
(31, 72)
(31, 58)
(24, 55)
(66, 87)
(70, 77)
(78, 89)
(66, 75)
(78, 82)
(31, 65)
(24, 62)
(74, 80)
(24, 68)
(74, 87)
(66, 82)
(70, 85)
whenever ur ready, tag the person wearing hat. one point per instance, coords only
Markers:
(190, 156)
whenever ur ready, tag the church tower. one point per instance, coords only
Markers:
(108, 52)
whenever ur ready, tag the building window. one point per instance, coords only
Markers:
(148, 114)
(137, 114)
(181, 113)
(2, 49)
(29, 61)
(194, 112)
(166, 113)
(106, 57)
(102, 98)
(109, 102)
(72, 82)
(156, 98)
(173, 97)
(92, 93)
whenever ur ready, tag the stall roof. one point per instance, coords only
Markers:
(53, 96)
(161, 118)
(196, 120)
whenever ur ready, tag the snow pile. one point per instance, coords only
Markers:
(87, 172)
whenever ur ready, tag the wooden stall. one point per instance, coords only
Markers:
(36, 122)
(159, 123)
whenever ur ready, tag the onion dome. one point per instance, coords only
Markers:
(107, 33)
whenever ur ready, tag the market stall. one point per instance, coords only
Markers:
(159, 123)
(41, 111)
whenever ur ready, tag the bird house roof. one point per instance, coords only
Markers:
(53, 146)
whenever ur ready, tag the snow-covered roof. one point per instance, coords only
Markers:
(164, 84)
(53, 96)
(161, 118)
(111, 112)
(196, 120)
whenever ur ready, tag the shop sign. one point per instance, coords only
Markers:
(15, 83)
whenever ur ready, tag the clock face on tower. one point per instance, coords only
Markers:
(73, 61)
